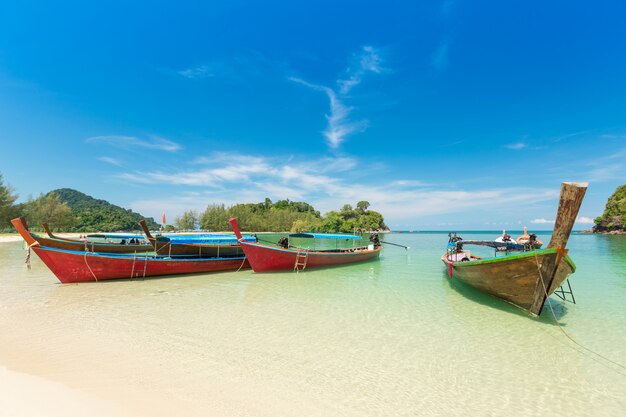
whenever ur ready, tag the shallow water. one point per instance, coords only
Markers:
(387, 337)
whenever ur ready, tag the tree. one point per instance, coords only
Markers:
(215, 218)
(48, 209)
(187, 221)
(7, 199)
(362, 206)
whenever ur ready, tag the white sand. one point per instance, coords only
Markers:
(24, 395)
(10, 238)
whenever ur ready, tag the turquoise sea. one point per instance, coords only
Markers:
(393, 337)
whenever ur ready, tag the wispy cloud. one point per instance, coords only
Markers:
(230, 178)
(516, 146)
(542, 221)
(110, 160)
(584, 220)
(340, 125)
(196, 73)
(439, 59)
(608, 168)
(152, 142)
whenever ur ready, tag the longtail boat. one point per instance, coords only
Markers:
(528, 278)
(54, 241)
(202, 246)
(283, 256)
(71, 266)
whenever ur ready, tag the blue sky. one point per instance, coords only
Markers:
(442, 114)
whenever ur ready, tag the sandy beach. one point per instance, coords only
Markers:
(53, 399)
(10, 238)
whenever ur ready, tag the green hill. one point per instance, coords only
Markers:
(92, 215)
(613, 220)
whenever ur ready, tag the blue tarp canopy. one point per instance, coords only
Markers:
(324, 236)
(209, 239)
(205, 239)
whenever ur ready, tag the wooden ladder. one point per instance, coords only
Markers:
(301, 260)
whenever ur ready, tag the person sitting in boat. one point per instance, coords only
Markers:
(375, 239)
(123, 242)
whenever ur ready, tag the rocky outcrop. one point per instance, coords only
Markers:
(613, 220)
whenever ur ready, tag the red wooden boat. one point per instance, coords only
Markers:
(264, 258)
(81, 266)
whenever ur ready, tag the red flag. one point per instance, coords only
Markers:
(163, 219)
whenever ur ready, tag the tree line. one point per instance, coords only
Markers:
(283, 216)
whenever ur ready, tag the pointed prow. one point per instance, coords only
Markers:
(146, 231)
(572, 194)
(46, 228)
(235, 226)
(20, 225)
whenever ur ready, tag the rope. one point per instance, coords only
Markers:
(242, 262)
(27, 260)
(560, 326)
(87, 263)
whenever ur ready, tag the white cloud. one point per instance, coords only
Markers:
(340, 125)
(584, 220)
(110, 160)
(153, 142)
(517, 146)
(196, 73)
(227, 180)
(542, 221)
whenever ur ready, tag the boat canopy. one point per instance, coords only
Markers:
(324, 236)
(489, 243)
(211, 239)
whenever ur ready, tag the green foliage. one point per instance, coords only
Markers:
(48, 209)
(187, 221)
(215, 218)
(8, 210)
(285, 215)
(614, 216)
(91, 215)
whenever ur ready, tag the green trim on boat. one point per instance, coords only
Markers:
(512, 257)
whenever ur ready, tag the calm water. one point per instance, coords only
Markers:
(386, 338)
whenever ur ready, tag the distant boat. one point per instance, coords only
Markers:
(284, 256)
(526, 279)
(529, 239)
(71, 266)
(505, 238)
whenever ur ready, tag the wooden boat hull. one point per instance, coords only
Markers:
(72, 266)
(514, 278)
(264, 258)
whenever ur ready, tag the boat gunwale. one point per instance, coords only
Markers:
(140, 256)
(510, 258)
(314, 252)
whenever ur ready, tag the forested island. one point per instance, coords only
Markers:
(613, 220)
(73, 211)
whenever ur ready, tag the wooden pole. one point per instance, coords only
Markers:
(572, 195)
